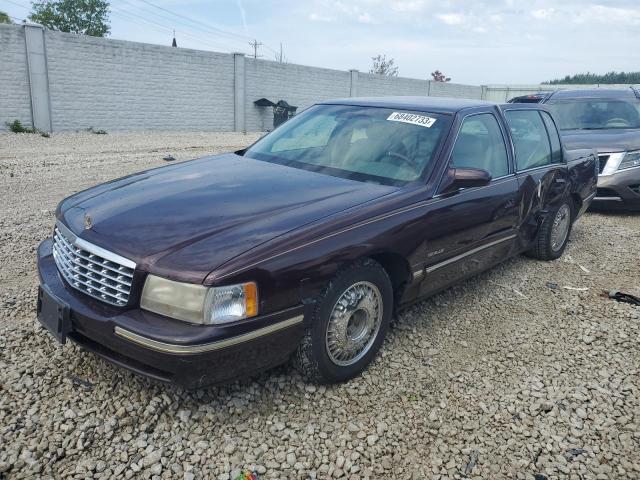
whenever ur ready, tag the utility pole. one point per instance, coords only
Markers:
(255, 44)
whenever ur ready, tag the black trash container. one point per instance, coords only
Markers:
(282, 111)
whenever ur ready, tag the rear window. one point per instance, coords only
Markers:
(595, 113)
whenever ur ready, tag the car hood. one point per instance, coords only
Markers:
(184, 220)
(604, 141)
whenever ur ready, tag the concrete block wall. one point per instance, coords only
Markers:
(296, 84)
(117, 85)
(376, 85)
(58, 81)
(15, 99)
(457, 90)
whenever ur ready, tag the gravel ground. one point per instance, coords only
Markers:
(500, 377)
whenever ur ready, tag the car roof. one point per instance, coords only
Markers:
(427, 104)
(530, 98)
(629, 93)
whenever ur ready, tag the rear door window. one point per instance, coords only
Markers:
(530, 139)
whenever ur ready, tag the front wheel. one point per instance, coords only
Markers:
(349, 324)
(554, 232)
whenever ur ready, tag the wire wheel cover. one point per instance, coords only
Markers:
(560, 228)
(354, 323)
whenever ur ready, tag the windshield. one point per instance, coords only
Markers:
(595, 113)
(380, 145)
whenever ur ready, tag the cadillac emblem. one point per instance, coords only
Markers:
(88, 222)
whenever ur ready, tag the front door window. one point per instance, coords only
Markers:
(480, 144)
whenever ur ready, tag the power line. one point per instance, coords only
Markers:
(136, 19)
(202, 24)
(22, 5)
(135, 6)
(197, 22)
(130, 16)
(17, 4)
(231, 46)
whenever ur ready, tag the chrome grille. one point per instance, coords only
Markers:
(91, 269)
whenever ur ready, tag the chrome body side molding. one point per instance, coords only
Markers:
(204, 347)
(457, 258)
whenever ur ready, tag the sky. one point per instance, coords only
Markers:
(479, 42)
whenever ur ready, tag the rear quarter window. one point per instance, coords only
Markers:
(552, 130)
(530, 139)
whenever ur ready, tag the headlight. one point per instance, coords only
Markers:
(630, 160)
(197, 303)
(620, 161)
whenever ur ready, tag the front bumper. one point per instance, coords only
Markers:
(169, 350)
(620, 191)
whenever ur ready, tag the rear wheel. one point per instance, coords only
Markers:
(554, 233)
(349, 324)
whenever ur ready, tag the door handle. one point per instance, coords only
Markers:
(560, 180)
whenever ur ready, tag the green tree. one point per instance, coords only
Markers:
(4, 18)
(89, 17)
(593, 78)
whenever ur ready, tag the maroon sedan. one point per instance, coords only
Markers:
(308, 241)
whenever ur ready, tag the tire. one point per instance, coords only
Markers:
(550, 242)
(360, 291)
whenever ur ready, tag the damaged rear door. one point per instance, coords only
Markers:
(542, 173)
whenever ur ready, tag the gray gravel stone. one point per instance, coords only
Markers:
(543, 385)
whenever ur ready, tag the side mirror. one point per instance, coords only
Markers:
(456, 178)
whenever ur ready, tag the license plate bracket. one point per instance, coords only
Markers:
(54, 314)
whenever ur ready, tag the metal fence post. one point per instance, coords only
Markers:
(38, 76)
(239, 92)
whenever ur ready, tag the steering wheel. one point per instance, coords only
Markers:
(614, 122)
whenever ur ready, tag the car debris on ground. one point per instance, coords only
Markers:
(624, 297)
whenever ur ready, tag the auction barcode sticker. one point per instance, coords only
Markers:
(412, 118)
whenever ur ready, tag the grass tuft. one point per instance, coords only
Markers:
(97, 132)
(17, 127)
